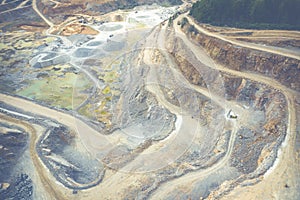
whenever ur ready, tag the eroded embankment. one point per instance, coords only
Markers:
(284, 69)
(261, 122)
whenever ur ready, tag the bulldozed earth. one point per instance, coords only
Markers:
(144, 103)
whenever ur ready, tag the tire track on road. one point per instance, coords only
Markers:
(50, 187)
(288, 93)
(239, 43)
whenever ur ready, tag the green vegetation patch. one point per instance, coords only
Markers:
(62, 90)
(259, 14)
(87, 111)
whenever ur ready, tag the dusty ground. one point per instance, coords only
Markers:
(147, 105)
(78, 29)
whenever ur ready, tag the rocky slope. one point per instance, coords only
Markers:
(283, 69)
(263, 129)
(14, 183)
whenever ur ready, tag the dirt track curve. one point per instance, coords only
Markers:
(93, 137)
(48, 184)
(288, 151)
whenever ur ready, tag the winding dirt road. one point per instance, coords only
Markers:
(98, 143)
(290, 95)
(254, 46)
(35, 8)
(48, 183)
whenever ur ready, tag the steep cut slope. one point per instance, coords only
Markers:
(282, 68)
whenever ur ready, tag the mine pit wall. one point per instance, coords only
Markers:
(266, 128)
(196, 72)
(283, 69)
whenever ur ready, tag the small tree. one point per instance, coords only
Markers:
(170, 22)
(192, 29)
(184, 21)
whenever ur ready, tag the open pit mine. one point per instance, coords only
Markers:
(137, 100)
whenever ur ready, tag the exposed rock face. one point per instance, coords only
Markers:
(283, 69)
(13, 142)
(73, 169)
(21, 188)
(188, 70)
(264, 128)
